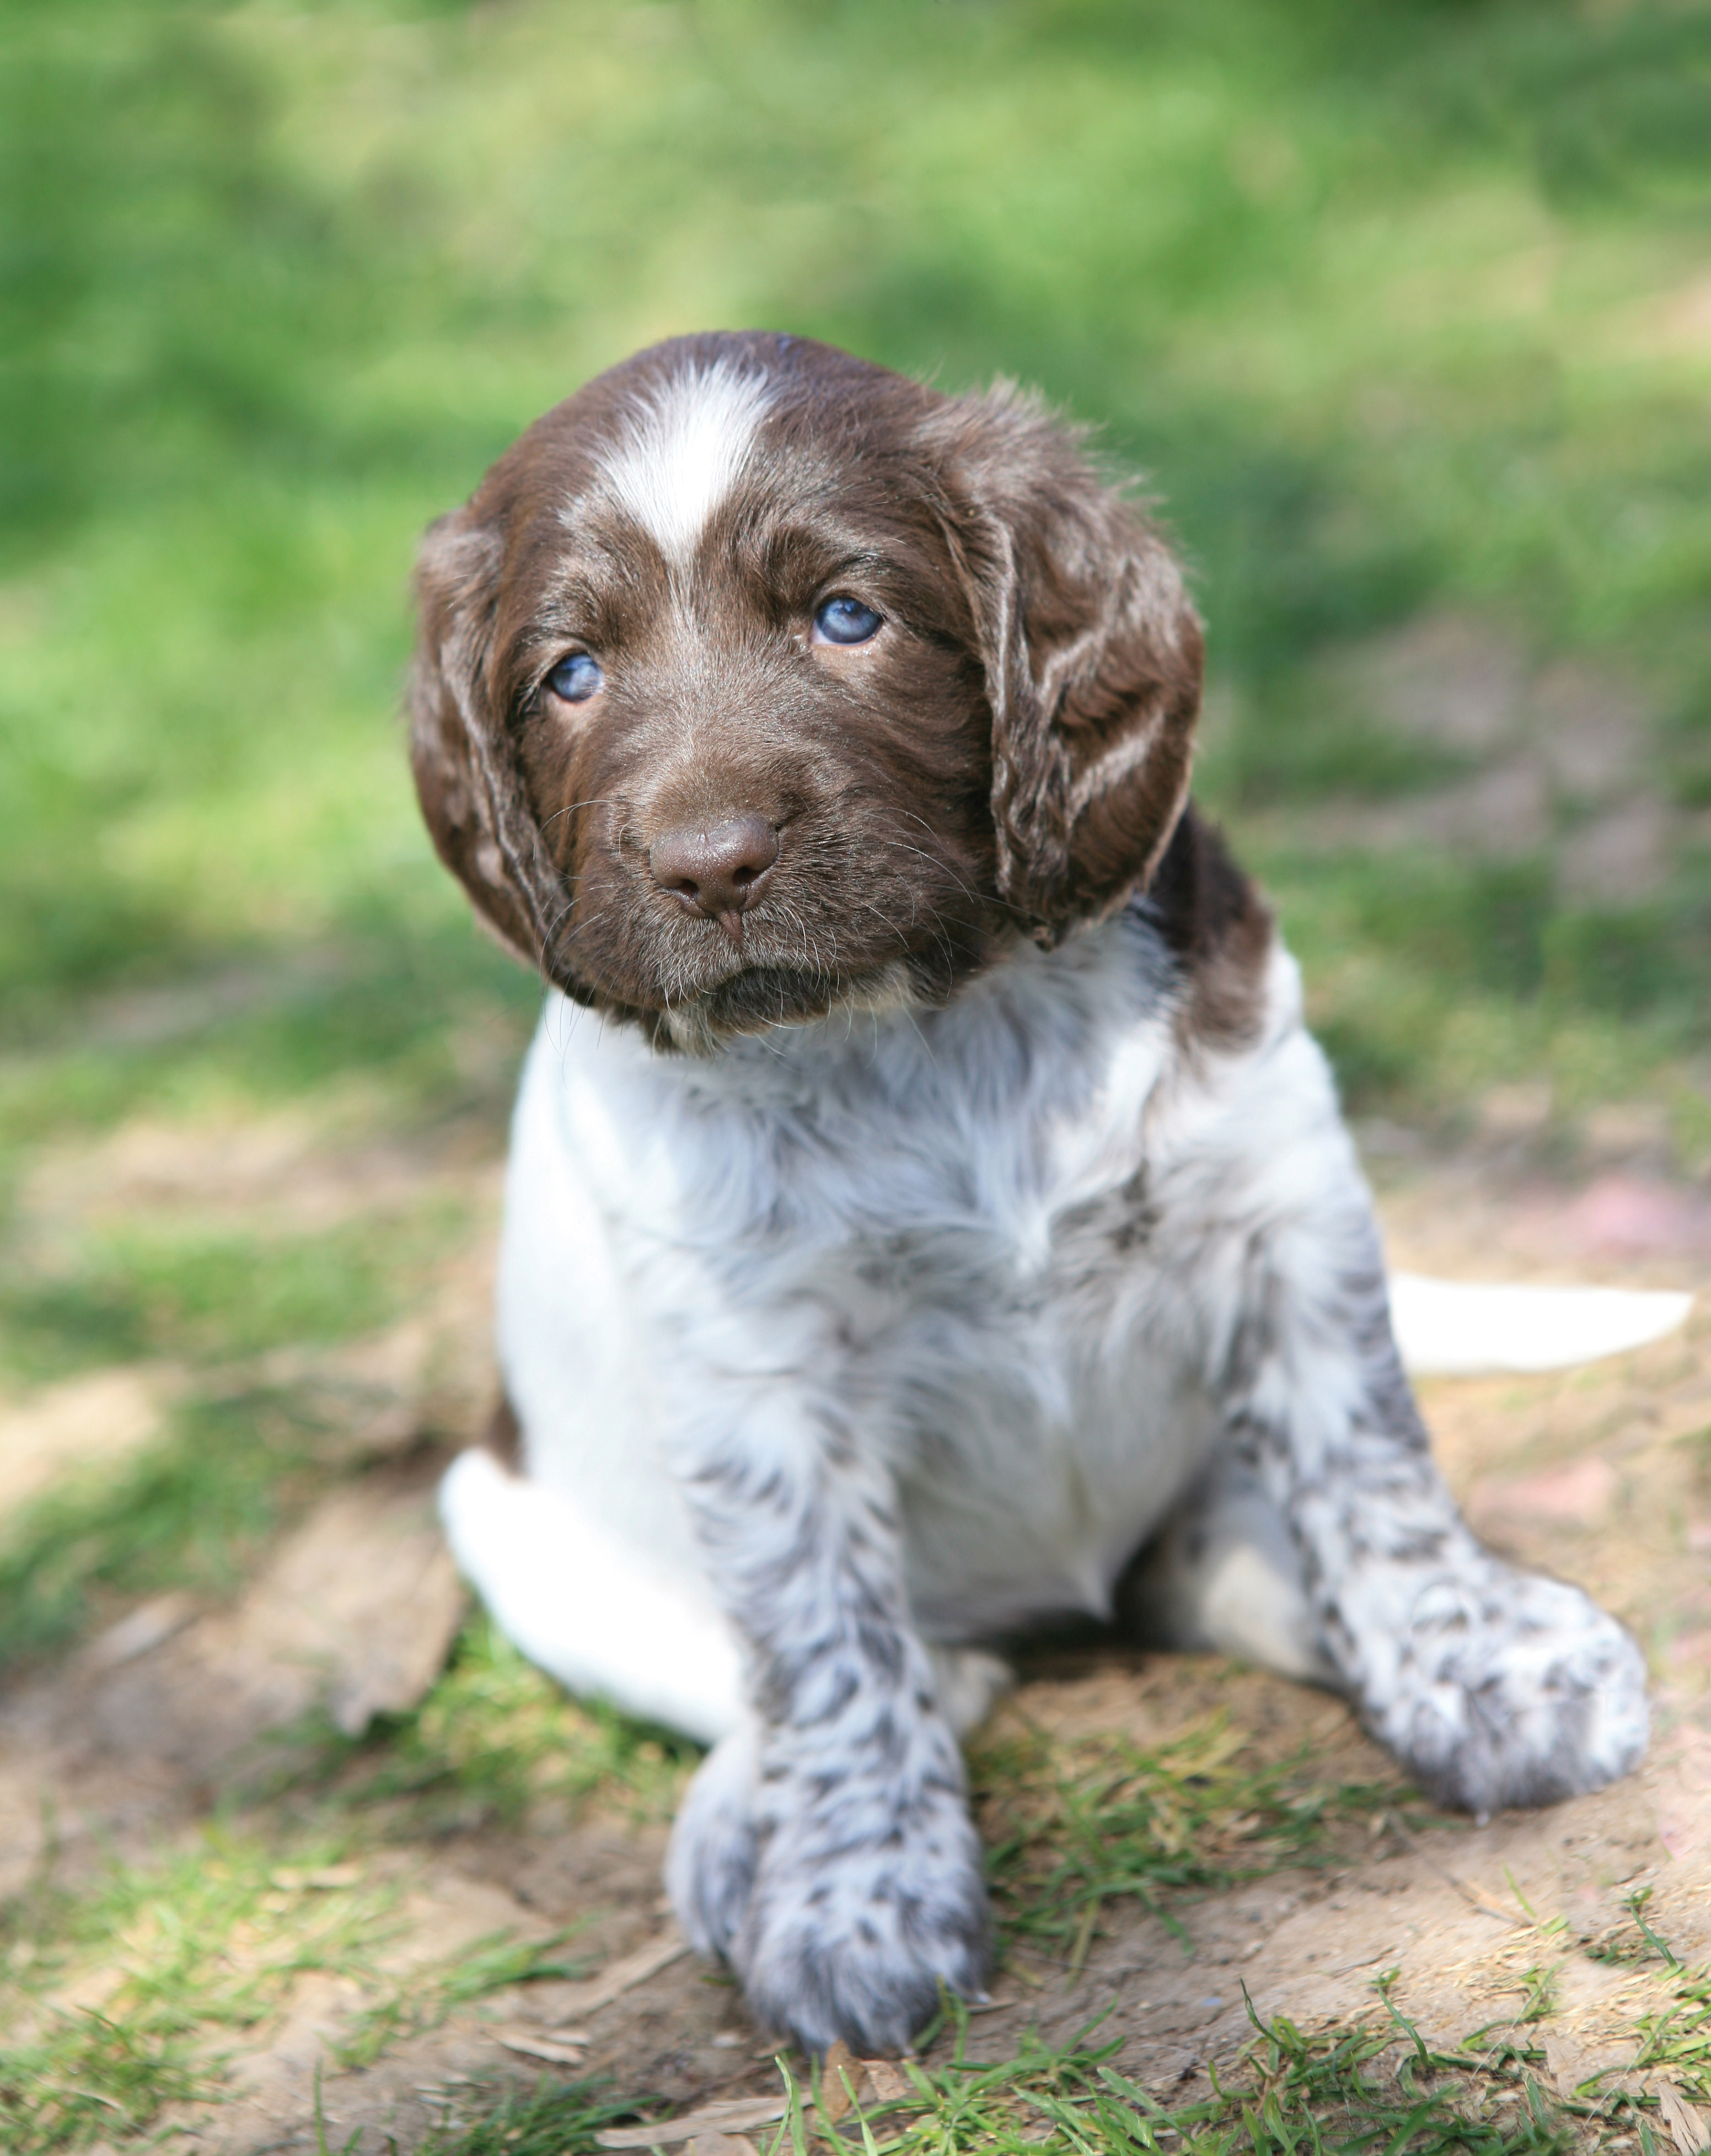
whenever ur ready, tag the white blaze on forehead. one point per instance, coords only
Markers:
(682, 449)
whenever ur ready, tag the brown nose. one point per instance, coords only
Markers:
(717, 871)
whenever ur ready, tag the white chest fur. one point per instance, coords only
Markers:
(963, 1236)
(931, 1321)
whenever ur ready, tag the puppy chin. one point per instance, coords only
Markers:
(762, 999)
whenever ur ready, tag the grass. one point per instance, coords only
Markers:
(1401, 310)
(550, 2119)
(1289, 2091)
(1395, 307)
(495, 1741)
(160, 1293)
(1376, 2086)
(125, 1998)
(128, 1993)
(192, 1511)
(428, 1998)
(1337, 2096)
(1072, 1826)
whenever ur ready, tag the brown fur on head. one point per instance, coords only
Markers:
(1009, 752)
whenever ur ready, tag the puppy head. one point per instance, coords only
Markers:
(754, 679)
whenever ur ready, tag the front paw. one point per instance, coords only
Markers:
(1513, 1689)
(854, 1932)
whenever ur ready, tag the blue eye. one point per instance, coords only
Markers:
(576, 678)
(844, 620)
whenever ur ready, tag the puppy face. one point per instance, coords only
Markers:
(755, 680)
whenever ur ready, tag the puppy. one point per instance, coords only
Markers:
(924, 1194)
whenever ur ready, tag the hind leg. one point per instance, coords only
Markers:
(1225, 1575)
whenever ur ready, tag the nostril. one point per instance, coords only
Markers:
(715, 870)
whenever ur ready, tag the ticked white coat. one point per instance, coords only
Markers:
(1031, 1281)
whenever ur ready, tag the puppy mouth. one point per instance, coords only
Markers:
(761, 999)
(760, 967)
(779, 963)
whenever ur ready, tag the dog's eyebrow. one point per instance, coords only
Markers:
(800, 558)
(681, 449)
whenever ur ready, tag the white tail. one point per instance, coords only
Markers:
(1459, 1328)
(585, 1607)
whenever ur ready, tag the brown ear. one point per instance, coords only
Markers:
(1093, 659)
(472, 797)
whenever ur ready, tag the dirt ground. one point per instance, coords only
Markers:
(1603, 1475)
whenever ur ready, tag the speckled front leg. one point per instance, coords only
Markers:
(826, 1850)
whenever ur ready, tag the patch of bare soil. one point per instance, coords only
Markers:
(354, 1611)
(92, 1421)
(1602, 1475)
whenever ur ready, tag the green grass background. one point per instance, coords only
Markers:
(1371, 294)
(1404, 308)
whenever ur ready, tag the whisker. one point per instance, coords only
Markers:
(570, 807)
(987, 898)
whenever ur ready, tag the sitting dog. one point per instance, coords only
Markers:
(924, 1194)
